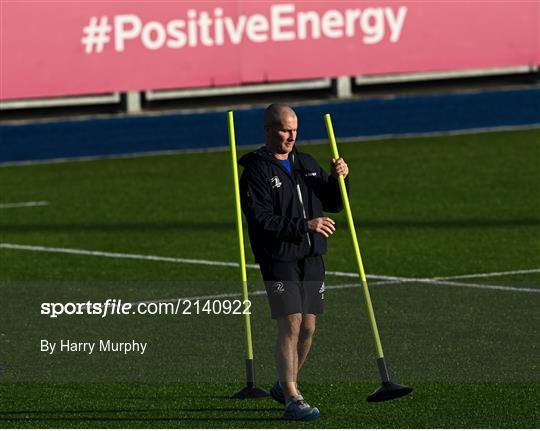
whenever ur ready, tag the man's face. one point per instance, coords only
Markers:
(281, 138)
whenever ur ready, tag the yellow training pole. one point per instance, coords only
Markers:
(245, 296)
(345, 198)
(250, 391)
(388, 390)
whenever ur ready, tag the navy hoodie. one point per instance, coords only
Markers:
(277, 205)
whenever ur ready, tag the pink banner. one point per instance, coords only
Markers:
(58, 48)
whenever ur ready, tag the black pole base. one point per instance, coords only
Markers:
(250, 392)
(388, 391)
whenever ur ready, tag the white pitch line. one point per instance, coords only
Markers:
(343, 274)
(81, 252)
(356, 275)
(488, 274)
(24, 204)
(434, 280)
(340, 286)
(254, 293)
(400, 280)
(480, 286)
(444, 282)
(450, 277)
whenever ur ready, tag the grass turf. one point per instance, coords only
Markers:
(424, 207)
(432, 405)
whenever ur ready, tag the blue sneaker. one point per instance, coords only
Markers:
(276, 392)
(299, 410)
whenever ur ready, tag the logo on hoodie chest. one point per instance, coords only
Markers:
(276, 183)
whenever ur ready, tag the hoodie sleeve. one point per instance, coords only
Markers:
(258, 207)
(331, 194)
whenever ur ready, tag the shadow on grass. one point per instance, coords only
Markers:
(142, 419)
(139, 415)
(220, 398)
(215, 226)
(201, 409)
(222, 415)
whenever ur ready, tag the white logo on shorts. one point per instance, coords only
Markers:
(278, 287)
(276, 183)
(321, 290)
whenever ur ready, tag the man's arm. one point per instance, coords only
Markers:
(331, 195)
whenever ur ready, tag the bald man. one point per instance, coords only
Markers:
(284, 196)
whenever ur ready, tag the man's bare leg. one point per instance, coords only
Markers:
(286, 352)
(305, 338)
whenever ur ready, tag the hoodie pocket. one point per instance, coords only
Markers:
(284, 250)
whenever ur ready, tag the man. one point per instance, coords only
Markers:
(284, 193)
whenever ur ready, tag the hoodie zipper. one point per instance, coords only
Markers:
(301, 200)
(303, 209)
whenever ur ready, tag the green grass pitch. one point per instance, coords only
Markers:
(426, 209)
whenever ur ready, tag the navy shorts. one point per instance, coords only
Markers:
(294, 287)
